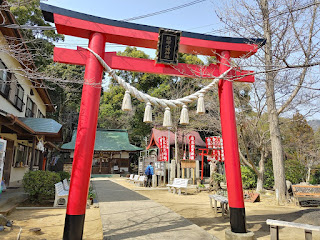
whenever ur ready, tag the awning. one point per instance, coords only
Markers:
(27, 128)
(42, 125)
(107, 140)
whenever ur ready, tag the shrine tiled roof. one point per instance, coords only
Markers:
(107, 140)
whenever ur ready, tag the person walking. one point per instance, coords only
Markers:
(149, 173)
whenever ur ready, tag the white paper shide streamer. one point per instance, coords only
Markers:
(200, 105)
(184, 116)
(147, 118)
(126, 103)
(167, 120)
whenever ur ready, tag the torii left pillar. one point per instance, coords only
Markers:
(84, 148)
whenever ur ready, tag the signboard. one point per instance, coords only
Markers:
(168, 46)
(192, 147)
(188, 164)
(164, 149)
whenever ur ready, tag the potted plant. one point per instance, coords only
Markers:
(201, 187)
(91, 195)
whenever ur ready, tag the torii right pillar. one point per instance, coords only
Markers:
(231, 149)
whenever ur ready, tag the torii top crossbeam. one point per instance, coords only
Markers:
(82, 25)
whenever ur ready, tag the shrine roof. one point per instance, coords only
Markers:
(82, 25)
(182, 136)
(107, 140)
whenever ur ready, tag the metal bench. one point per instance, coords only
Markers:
(275, 224)
(180, 184)
(223, 203)
(60, 194)
(306, 195)
(66, 185)
(140, 181)
(130, 178)
(175, 182)
(135, 178)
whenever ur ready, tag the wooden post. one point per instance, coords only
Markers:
(202, 160)
(33, 155)
(84, 147)
(176, 147)
(274, 232)
(183, 172)
(193, 176)
(231, 149)
(173, 169)
(215, 207)
(197, 171)
(188, 172)
(308, 234)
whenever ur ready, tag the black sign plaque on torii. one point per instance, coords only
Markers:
(168, 46)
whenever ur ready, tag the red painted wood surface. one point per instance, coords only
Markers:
(133, 37)
(86, 132)
(79, 57)
(230, 138)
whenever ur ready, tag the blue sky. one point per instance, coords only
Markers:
(199, 17)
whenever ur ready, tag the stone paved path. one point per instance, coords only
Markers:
(126, 214)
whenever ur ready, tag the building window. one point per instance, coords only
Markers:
(40, 115)
(31, 108)
(19, 97)
(37, 158)
(5, 79)
(22, 156)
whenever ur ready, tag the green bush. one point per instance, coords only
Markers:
(268, 182)
(40, 185)
(64, 175)
(295, 171)
(219, 177)
(249, 178)
(315, 179)
(91, 193)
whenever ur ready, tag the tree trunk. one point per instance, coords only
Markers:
(261, 172)
(275, 136)
(308, 174)
(214, 184)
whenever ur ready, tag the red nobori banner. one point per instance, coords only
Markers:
(215, 143)
(192, 147)
(209, 142)
(164, 149)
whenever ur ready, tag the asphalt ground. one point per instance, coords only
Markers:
(125, 214)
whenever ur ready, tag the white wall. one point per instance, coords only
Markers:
(17, 174)
(26, 84)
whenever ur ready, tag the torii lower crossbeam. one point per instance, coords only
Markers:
(79, 57)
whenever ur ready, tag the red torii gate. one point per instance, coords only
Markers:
(101, 30)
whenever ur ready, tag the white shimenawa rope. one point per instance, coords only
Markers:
(153, 100)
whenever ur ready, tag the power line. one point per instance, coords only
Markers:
(165, 10)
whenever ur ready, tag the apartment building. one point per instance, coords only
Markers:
(24, 104)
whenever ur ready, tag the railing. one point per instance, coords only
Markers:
(275, 224)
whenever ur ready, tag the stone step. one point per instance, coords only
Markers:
(14, 198)
(8, 208)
